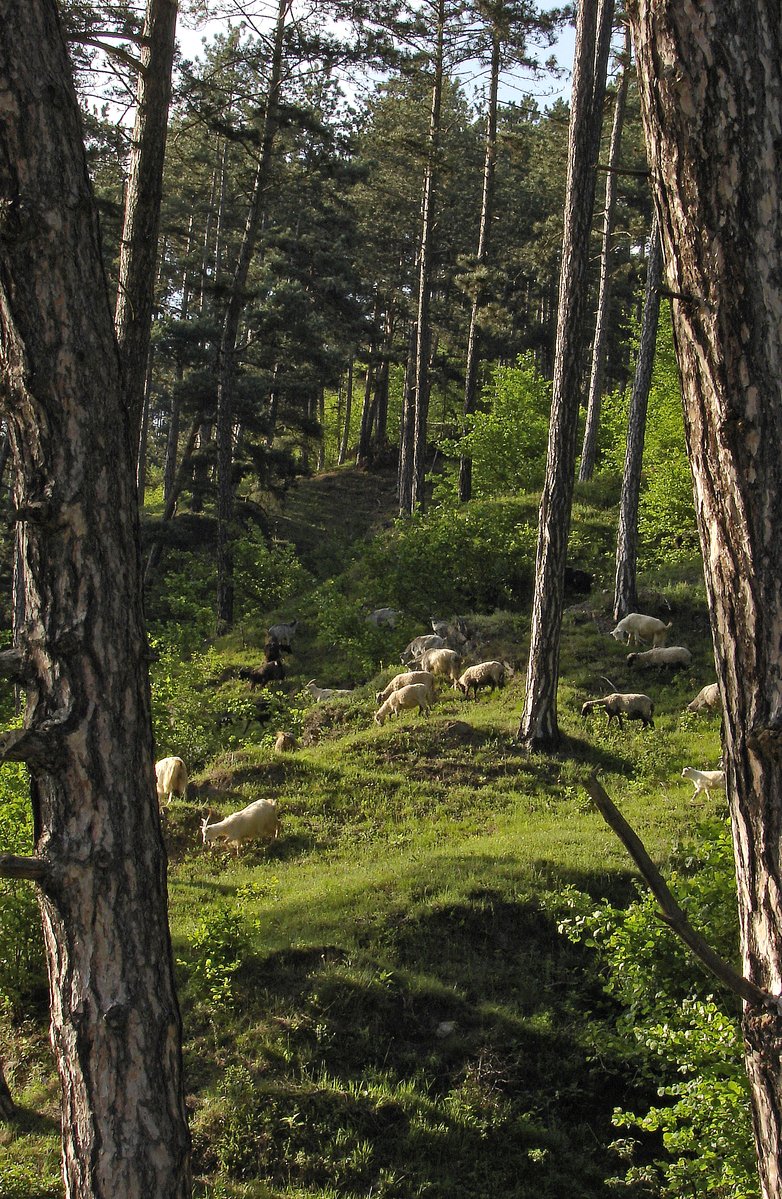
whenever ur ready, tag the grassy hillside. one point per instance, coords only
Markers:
(382, 1002)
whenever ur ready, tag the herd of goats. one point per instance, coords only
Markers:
(441, 654)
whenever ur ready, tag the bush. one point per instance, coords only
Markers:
(692, 1039)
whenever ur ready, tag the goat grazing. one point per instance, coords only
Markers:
(484, 674)
(661, 655)
(321, 694)
(283, 634)
(704, 780)
(416, 695)
(257, 822)
(445, 662)
(259, 676)
(285, 743)
(384, 616)
(406, 680)
(170, 779)
(707, 700)
(635, 628)
(629, 705)
(419, 645)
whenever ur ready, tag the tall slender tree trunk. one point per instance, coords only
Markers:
(343, 449)
(597, 373)
(538, 727)
(487, 209)
(226, 366)
(414, 429)
(625, 591)
(406, 430)
(82, 650)
(138, 247)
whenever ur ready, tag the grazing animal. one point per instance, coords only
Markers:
(273, 651)
(384, 616)
(578, 580)
(661, 655)
(285, 742)
(321, 694)
(635, 628)
(283, 634)
(444, 662)
(484, 674)
(617, 704)
(707, 700)
(453, 633)
(419, 645)
(406, 680)
(259, 676)
(259, 821)
(704, 780)
(170, 778)
(416, 695)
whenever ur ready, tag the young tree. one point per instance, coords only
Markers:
(538, 727)
(81, 653)
(710, 78)
(625, 593)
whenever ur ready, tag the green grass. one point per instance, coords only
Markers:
(380, 1002)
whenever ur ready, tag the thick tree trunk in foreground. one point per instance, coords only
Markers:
(538, 728)
(625, 592)
(138, 248)
(711, 93)
(87, 736)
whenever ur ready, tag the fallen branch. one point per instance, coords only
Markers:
(671, 912)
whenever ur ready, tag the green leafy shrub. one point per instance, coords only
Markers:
(342, 622)
(22, 968)
(264, 576)
(477, 557)
(692, 1040)
(219, 946)
(508, 438)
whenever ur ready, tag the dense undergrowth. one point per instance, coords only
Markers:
(442, 980)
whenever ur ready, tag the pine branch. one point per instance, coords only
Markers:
(12, 866)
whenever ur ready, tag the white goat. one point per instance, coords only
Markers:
(707, 700)
(444, 662)
(321, 694)
(635, 628)
(419, 645)
(283, 633)
(704, 780)
(618, 704)
(384, 616)
(257, 822)
(661, 655)
(406, 680)
(170, 778)
(416, 695)
(484, 674)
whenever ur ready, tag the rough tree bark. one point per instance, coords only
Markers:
(538, 728)
(710, 79)
(597, 373)
(625, 589)
(87, 733)
(138, 247)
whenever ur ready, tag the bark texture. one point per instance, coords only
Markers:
(538, 727)
(87, 735)
(711, 95)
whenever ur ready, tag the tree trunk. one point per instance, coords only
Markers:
(226, 370)
(343, 449)
(138, 248)
(625, 593)
(405, 471)
(487, 208)
(538, 727)
(711, 100)
(87, 734)
(597, 373)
